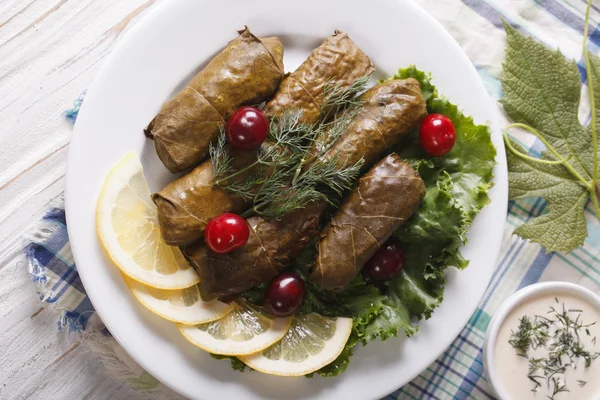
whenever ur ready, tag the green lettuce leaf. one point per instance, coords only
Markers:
(427, 88)
(457, 185)
(470, 163)
(440, 217)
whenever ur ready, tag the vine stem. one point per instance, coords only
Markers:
(245, 169)
(561, 159)
(595, 202)
(237, 173)
(590, 76)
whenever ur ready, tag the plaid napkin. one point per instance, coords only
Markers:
(458, 373)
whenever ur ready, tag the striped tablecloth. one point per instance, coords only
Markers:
(458, 373)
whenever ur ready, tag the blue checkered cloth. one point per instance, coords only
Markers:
(52, 268)
(458, 373)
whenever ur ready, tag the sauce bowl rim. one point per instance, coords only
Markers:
(516, 299)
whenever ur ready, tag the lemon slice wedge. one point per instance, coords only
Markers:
(182, 306)
(127, 226)
(312, 342)
(245, 330)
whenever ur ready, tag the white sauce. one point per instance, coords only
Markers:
(512, 369)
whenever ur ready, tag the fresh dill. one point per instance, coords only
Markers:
(530, 334)
(560, 334)
(322, 181)
(219, 156)
(557, 387)
(521, 340)
(336, 97)
(289, 170)
(536, 381)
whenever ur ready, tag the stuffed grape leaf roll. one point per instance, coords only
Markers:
(389, 111)
(272, 245)
(337, 62)
(187, 204)
(385, 197)
(248, 71)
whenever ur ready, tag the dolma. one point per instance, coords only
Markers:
(389, 111)
(248, 71)
(218, 278)
(272, 245)
(386, 196)
(188, 203)
(337, 62)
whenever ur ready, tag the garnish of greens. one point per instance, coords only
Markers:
(457, 186)
(560, 335)
(542, 90)
(294, 155)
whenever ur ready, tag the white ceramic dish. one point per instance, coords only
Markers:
(518, 298)
(148, 66)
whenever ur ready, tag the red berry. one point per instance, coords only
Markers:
(285, 294)
(247, 128)
(386, 263)
(437, 135)
(226, 233)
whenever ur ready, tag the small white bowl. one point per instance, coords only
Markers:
(521, 296)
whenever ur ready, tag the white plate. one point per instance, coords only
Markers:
(151, 64)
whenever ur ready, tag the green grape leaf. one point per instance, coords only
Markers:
(542, 89)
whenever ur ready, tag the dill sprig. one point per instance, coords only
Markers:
(323, 181)
(289, 171)
(557, 387)
(336, 97)
(290, 132)
(219, 156)
(561, 335)
(521, 340)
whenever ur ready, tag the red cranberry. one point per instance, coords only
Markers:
(437, 135)
(247, 128)
(285, 294)
(386, 263)
(226, 233)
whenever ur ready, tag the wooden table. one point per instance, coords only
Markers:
(50, 50)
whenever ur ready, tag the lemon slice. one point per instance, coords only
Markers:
(127, 226)
(312, 342)
(182, 306)
(245, 330)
